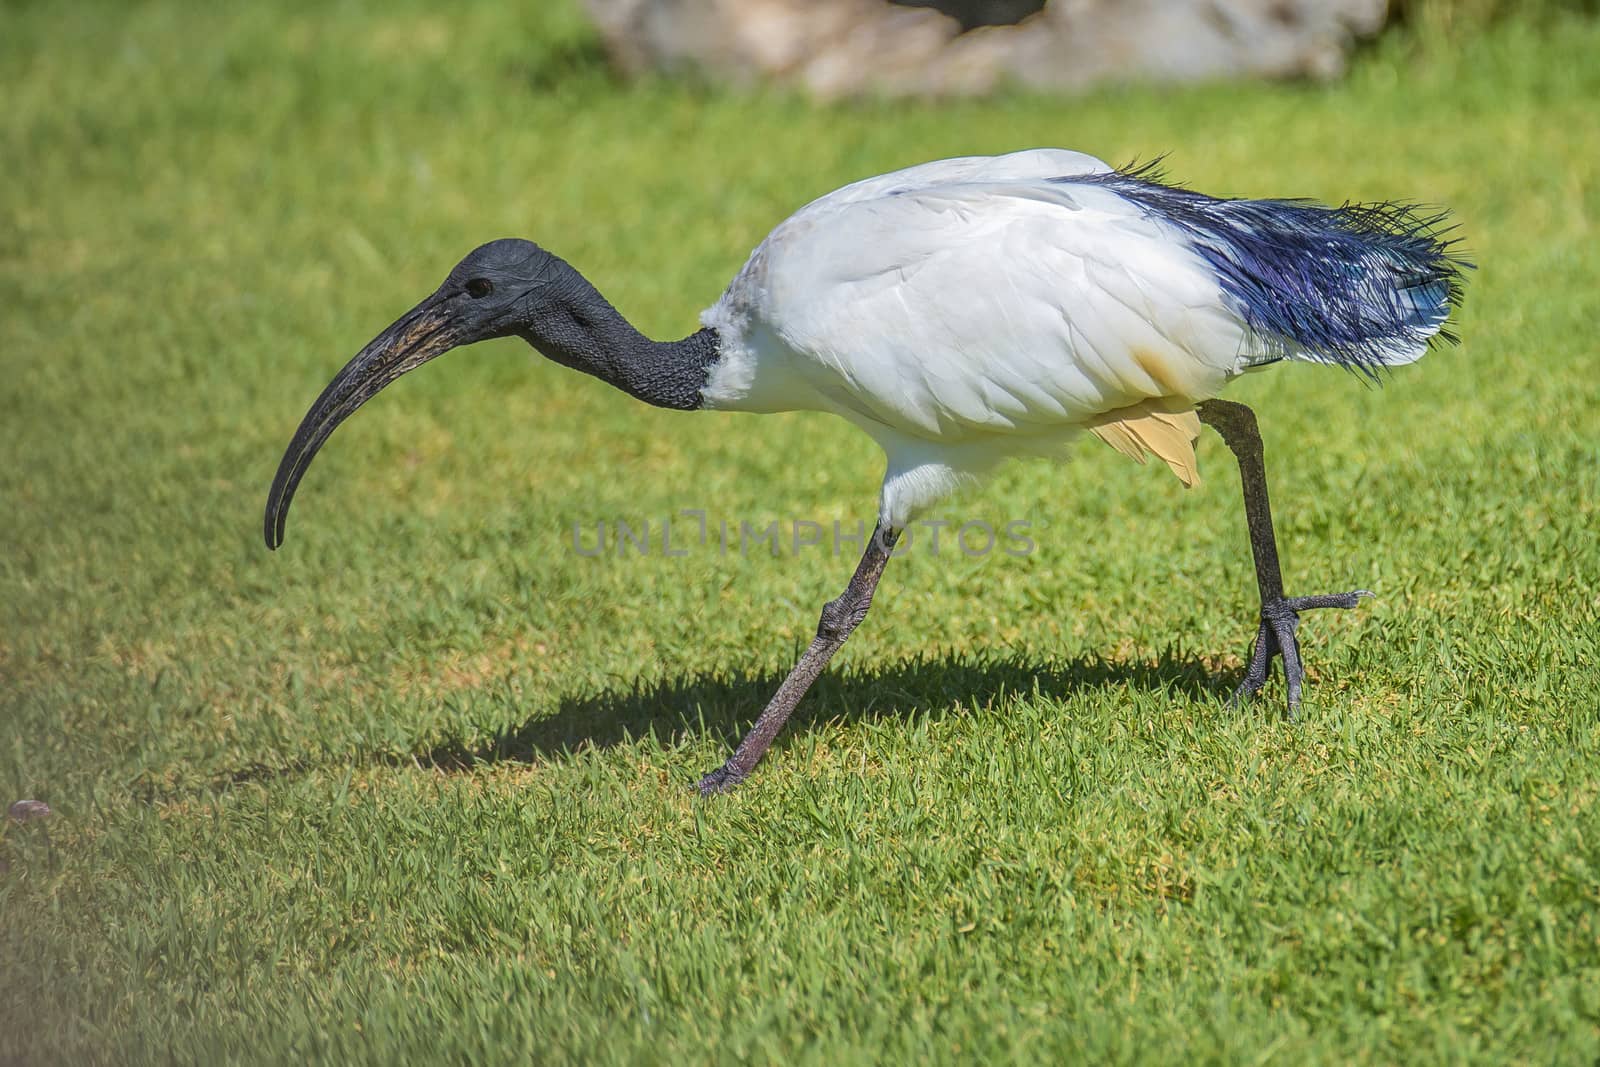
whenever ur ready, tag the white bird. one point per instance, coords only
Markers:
(969, 311)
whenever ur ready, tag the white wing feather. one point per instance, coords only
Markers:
(952, 308)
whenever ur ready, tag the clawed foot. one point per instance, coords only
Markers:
(721, 780)
(1279, 618)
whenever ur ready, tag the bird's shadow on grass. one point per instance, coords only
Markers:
(721, 708)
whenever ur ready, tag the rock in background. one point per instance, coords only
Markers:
(834, 48)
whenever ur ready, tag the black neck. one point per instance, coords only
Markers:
(579, 328)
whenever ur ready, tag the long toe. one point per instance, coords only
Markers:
(1327, 600)
(1289, 648)
(1255, 676)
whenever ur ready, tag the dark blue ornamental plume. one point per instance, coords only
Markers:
(1360, 285)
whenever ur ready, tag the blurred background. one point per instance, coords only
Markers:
(942, 47)
(413, 787)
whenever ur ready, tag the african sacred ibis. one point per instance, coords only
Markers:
(967, 311)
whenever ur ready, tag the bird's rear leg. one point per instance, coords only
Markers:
(840, 617)
(1280, 615)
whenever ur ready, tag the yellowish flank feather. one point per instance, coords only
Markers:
(1148, 427)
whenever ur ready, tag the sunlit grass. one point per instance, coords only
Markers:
(417, 786)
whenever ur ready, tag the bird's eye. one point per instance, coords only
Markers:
(478, 288)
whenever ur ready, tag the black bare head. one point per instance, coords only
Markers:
(500, 288)
(504, 288)
(496, 291)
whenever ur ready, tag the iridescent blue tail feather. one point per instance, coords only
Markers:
(1362, 286)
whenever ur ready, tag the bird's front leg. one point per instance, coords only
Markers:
(840, 616)
(1280, 615)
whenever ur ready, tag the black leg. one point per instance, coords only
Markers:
(1280, 615)
(839, 617)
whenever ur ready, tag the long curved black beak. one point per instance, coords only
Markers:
(416, 337)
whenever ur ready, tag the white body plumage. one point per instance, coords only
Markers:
(969, 310)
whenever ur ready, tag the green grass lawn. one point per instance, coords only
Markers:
(417, 787)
